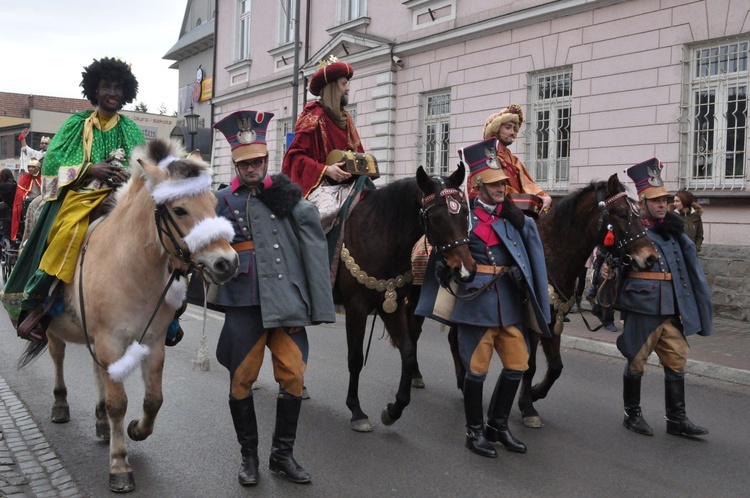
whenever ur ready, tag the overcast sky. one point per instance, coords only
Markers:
(44, 45)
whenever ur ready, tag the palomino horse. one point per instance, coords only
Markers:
(374, 273)
(123, 272)
(570, 231)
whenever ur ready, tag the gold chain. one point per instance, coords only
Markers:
(388, 286)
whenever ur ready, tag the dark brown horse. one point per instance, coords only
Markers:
(570, 231)
(374, 273)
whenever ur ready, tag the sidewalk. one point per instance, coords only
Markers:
(725, 355)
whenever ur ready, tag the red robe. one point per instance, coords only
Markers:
(315, 136)
(23, 190)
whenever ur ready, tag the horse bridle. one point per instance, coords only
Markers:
(164, 220)
(621, 243)
(450, 197)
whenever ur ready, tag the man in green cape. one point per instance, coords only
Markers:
(79, 171)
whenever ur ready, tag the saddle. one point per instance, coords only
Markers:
(530, 204)
(356, 163)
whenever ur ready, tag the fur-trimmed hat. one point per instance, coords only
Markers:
(330, 71)
(647, 179)
(482, 161)
(246, 133)
(45, 139)
(512, 113)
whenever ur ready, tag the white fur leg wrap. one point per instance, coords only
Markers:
(122, 368)
(169, 190)
(207, 231)
(176, 293)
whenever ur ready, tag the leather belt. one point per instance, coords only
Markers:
(243, 246)
(492, 270)
(650, 275)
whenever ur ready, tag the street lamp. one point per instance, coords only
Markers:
(191, 121)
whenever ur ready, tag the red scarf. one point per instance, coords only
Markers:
(484, 228)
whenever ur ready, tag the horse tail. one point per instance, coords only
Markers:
(31, 353)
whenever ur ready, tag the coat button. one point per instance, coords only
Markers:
(244, 229)
(240, 219)
(275, 246)
(274, 231)
(280, 277)
(278, 260)
(236, 211)
(273, 216)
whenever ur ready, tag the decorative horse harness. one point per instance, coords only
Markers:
(560, 304)
(450, 197)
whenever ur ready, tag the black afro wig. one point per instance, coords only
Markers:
(109, 69)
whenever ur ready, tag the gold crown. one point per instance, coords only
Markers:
(326, 62)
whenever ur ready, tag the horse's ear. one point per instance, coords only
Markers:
(423, 180)
(614, 186)
(457, 177)
(152, 172)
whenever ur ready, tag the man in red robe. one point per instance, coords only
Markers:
(504, 126)
(324, 126)
(29, 185)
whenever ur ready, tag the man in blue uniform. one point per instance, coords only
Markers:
(508, 300)
(661, 307)
(282, 286)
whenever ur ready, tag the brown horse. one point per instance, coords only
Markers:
(124, 273)
(570, 231)
(375, 274)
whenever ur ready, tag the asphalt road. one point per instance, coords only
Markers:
(583, 450)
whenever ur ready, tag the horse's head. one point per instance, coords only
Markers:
(445, 219)
(186, 220)
(619, 215)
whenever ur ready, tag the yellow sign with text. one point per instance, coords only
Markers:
(207, 88)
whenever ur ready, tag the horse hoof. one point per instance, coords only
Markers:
(533, 422)
(121, 483)
(133, 433)
(385, 417)
(102, 431)
(60, 414)
(362, 425)
(417, 383)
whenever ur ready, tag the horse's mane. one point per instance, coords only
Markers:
(565, 209)
(387, 203)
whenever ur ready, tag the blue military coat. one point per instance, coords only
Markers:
(501, 303)
(286, 273)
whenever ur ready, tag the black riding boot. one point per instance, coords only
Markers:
(282, 460)
(631, 395)
(246, 427)
(677, 422)
(498, 413)
(475, 439)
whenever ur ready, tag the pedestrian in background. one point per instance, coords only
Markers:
(686, 205)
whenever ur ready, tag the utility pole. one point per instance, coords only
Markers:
(295, 76)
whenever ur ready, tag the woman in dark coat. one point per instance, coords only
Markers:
(7, 194)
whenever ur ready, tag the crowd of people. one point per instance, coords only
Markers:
(280, 223)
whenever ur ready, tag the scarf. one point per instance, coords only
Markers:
(93, 121)
(484, 228)
(330, 100)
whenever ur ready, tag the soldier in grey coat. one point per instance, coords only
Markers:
(661, 307)
(282, 286)
(507, 299)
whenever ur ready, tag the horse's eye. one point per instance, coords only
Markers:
(178, 211)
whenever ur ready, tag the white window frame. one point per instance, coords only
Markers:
(717, 130)
(548, 128)
(433, 145)
(286, 22)
(350, 10)
(242, 38)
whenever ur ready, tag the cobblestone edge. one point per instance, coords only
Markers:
(28, 464)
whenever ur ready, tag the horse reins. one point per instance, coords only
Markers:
(163, 219)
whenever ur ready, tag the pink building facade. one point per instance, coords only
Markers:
(604, 84)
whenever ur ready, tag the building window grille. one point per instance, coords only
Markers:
(286, 22)
(434, 140)
(548, 129)
(717, 120)
(350, 10)
(243, 30)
